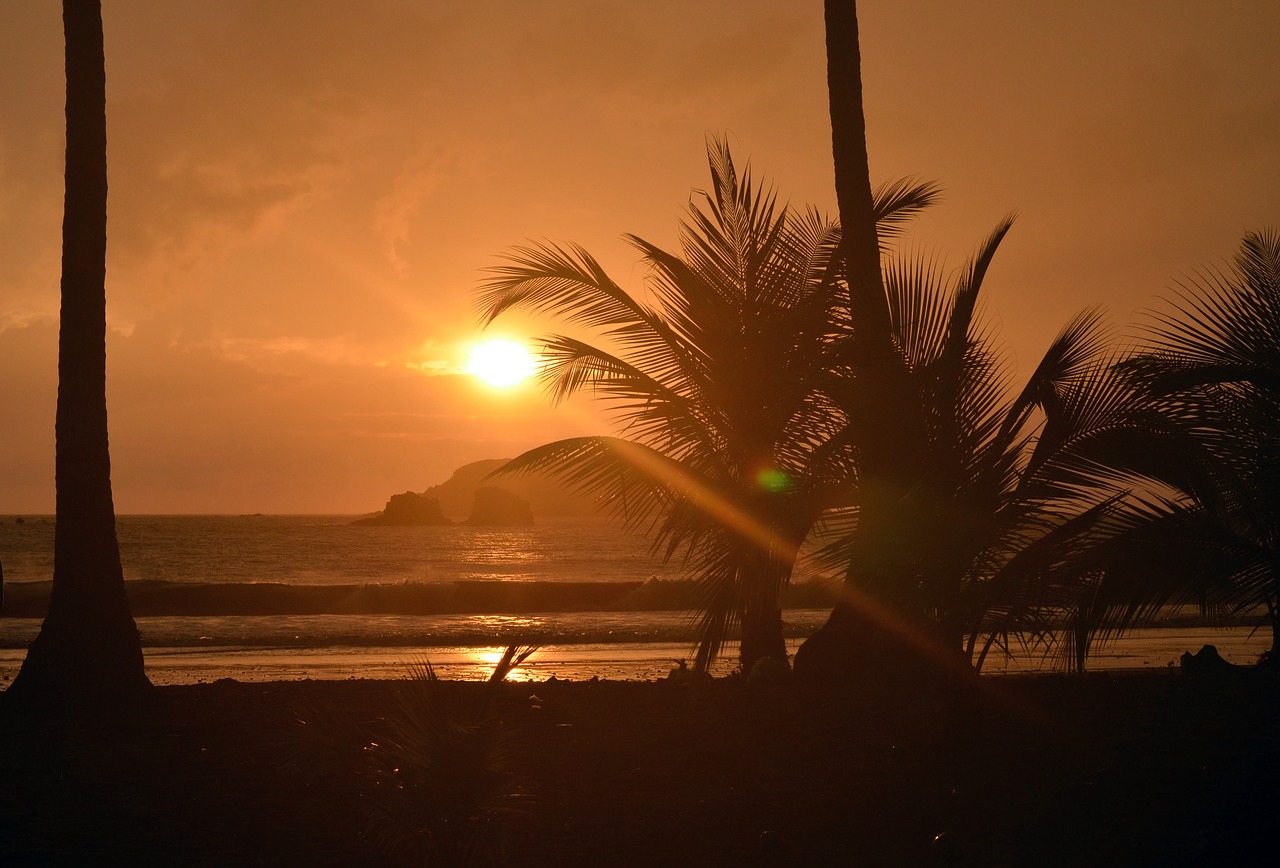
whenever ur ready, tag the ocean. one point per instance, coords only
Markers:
(329, 550)
(260, 597)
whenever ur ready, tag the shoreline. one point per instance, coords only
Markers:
(1150, 649)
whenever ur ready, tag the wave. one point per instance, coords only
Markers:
(164, 598)
(215, 633)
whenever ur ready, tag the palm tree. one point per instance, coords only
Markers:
(88, 646)
(964, 523)
(715, 388)
(1211, 366)
(871, 433)
(973, 516)
(860, 248)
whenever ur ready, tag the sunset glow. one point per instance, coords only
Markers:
(296, 234)
(661, 434)
(501, 363)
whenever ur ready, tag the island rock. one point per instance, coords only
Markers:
(546, 496)
(497, 507)
(407, 510)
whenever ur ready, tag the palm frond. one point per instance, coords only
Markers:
(960, 325)
(596, 467)
(566, 281)
(919, 304)
(895, 204)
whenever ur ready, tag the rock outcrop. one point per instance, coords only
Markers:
(497, 507)
(546, 497)
(407, 510)
(459, 496)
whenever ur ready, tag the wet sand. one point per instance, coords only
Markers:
(1147, 768)
(615, 661)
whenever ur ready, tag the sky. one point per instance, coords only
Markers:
(304, 197)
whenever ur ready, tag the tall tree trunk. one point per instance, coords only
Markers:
(762, 616)
(761, 636)
(877, 616)
(827, 654)
(88, 648)
(860, 246)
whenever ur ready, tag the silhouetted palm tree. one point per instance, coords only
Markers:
(968, 524)
(970, 511)
(1212, 367)
(88, 646)
(715, 385)
(871, 431)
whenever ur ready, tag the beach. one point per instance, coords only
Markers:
(1147, 768)
(276, 689)
(287, 648)
(255, 748)
(265, 598)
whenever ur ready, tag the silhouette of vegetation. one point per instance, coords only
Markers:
(1211, 368)
(1000, 510)
(976, 516)
(439, 783)
(89, 646)
(791, 373)
(716, 387)
(1067, 513)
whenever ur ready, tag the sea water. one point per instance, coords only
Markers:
(328, 549)
(316, 552)
(325, 551)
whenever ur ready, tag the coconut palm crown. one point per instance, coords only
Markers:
(977, 513)
(958, 524)
(714, 383)
(1211, 365)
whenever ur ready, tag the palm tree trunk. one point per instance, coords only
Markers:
(761, 636)
(762, 616)
(885, 462)
(88, 647)
(858, 240)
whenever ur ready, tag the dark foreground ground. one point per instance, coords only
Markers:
(1145, 769)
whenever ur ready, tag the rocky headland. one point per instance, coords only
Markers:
(497, 507)
(407, 510)
(469, 497)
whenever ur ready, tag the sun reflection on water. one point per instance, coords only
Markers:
(509, 625)
(505, 548)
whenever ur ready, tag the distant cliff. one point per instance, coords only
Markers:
(407, 510)
(457, 495)
(497, 507)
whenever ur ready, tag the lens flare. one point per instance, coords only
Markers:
(773, 479)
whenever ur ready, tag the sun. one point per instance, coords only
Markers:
(501, 362)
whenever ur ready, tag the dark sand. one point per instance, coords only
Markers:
(1137, 769)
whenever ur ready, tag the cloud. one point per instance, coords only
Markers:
(303, 196)
(397, 209)
(297, 431)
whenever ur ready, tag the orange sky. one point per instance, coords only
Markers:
(304, 195)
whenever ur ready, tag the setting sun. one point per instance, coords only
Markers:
(501, 362)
